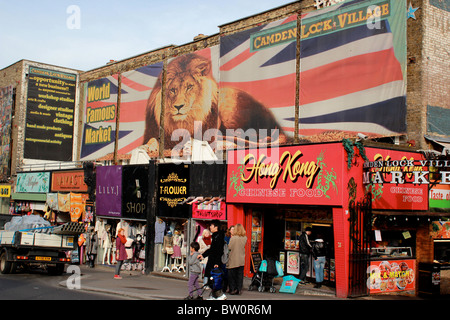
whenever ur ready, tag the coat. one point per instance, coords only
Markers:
(194, 263)
(120, 250)
(214, 253)
(236, 248)
(91, 243)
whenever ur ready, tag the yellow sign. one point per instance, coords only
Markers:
(5, 191)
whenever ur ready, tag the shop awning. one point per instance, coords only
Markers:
(29, 196)
(443, 141)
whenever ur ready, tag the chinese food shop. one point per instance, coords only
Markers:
(374, 246)
(277, 193)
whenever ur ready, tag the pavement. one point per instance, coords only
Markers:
(172, 286)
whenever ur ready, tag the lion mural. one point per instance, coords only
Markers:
(192, 94)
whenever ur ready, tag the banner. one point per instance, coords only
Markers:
(353, 70)
(109, 191)
(66, 181)
(100, 114)
(261, 62)
(50, 115)
(6, 105)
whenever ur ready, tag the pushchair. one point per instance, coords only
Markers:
(263, 278)
(215, 282)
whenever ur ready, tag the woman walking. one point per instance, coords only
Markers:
(236, 259)
(120, 251)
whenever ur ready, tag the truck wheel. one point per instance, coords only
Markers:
(5, 265)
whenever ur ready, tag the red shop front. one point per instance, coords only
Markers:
(277, 192)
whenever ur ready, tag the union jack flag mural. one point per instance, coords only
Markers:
(353, 70)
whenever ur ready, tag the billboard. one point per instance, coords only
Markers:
(353, 69)
(50, 115)
(99, 131)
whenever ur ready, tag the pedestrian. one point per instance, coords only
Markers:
(215, 252)
(236, 259)
(319, 251)
(305, 252)
(195, 270)
(121, 253)
(228, 234)
(205, 244)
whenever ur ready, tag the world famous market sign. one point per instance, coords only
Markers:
(307, 174)
(402, 180)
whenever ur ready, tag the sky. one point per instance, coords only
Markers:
(85, 35)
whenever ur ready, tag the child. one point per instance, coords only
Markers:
(194, 272)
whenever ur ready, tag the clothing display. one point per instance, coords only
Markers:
(160, 229)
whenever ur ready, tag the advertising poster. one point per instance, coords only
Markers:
(258, 67)
(101, 107)
(135, 188)
(293, 262)
(353, 70)
(66, 181)
(109, 191)
(6, 105)
(50, 115)
(305, 174)
(391, 276)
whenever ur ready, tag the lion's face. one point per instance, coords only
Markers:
(182, 95)
(190, 90)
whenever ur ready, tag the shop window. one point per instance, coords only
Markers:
(393, 244)
(442, 251)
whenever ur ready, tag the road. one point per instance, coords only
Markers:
(41, 286)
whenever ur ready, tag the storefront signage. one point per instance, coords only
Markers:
(109, 191)
(5, 191)
(172, 189)
(66, 181)
(37, 182)
(215, 212)
(301, 174)
(398, 180)
(391, 276)
(135, 192)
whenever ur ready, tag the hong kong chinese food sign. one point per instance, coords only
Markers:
(307, 174)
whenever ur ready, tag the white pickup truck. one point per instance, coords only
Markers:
(27, 248)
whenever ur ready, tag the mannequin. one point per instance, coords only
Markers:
(177, 240)
(107, 244)
(183, 254)
(167, 249)
(91, 246)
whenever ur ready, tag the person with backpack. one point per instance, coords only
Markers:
(236, 259)
(216, 250)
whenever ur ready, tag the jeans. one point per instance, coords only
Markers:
(319, 265)
(304, 266)
(119, 265)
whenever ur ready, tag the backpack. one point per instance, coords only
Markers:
(225, 254)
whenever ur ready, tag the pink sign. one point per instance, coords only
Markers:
(209, 212)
